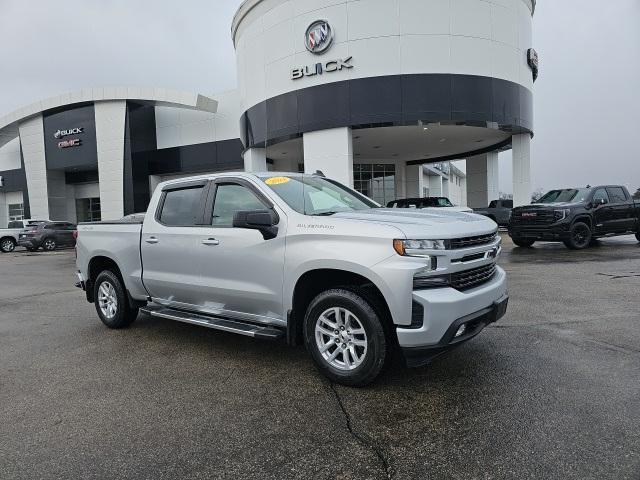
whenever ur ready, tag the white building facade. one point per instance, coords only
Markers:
(379, 94)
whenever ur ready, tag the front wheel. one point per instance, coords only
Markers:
(110, 298)
(7, 245)
(345, 336)
(579, 236)
(49, 244)
(523, 243)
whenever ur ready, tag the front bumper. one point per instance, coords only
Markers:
(443, 308)
(554, 232)
(28, 242)
(469, 326)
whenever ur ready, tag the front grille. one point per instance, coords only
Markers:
(467, 242)
(532, 217)
(472, 278)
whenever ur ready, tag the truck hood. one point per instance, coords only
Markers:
(548, 206)
(434, 223)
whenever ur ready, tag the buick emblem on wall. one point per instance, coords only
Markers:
(532, 60)
(318, 37)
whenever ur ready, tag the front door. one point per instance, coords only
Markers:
(170, 246)
(602, 211)
(242, 273)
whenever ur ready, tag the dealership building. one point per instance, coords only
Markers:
(379, 94)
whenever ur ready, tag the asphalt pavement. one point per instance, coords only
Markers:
(551, 391)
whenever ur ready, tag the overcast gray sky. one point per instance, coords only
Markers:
(587, 99)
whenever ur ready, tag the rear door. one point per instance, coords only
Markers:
(242, 272)
(622, 210)
(169, 245)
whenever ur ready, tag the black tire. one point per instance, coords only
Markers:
(579, 236)
(523, 243)
(49, 244)
(124, 314)
(32, 249)
(7, 245)
(364, 311)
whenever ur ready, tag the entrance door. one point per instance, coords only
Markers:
(242, 273)
(169, 245)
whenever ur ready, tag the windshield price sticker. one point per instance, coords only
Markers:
(277, 180)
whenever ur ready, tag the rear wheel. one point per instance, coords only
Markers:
(7, 245)
(345, 336)
(49, 244)
(523, 243)
(111, 301)
(579, 237)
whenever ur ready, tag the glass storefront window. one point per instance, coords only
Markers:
(88, 209)
(16, 211)
(376, 181)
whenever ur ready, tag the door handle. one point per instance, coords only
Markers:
(152, 240)
(211, 241)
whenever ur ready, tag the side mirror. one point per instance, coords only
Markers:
(264, 221)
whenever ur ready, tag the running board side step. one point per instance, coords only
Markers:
(216, 323)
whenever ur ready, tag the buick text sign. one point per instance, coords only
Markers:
(322, 67)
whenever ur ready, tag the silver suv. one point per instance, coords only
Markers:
(301, 258)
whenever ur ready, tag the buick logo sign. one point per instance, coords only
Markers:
(70, 131)
(318, 37)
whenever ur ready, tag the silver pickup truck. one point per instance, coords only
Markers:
(301, 258)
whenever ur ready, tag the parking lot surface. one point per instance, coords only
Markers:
(551, 391)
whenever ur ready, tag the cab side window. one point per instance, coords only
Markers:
(600, 194)
(230, 198)
(180, 207)
(616, 194)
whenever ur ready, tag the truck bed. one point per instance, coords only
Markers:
(118, 240)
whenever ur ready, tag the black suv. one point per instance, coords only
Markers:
(576, 216)
(48, 235)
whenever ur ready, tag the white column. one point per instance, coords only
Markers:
(331, 152)
(57, 188)
(110, 121)
(255, 160)
(414, 175)
(35, 166)
(4, 211)
(521, 169)
(482, 179)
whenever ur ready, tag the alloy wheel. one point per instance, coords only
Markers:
(581, 236)
(341, 339)
(107, 300)
(7, 246)
(49, 244)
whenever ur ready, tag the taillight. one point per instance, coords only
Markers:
(75, 234)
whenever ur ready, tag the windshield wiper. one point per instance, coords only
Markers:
(324, 214)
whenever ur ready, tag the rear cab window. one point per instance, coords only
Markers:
(616, 195)
(181, 206)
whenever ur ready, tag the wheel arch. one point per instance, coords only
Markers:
(314, 281)
(583, 218)
(98, 264)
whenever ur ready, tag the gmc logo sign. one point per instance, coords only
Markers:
(74, 142)
(529, 214)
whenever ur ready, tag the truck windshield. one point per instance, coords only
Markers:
(436, 202)
(313, 195)
(565, 195)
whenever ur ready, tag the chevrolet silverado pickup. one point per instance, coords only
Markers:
(576, 217)
(301, 258)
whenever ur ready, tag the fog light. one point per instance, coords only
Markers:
(461, 330)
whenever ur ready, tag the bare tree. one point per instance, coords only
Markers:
(537, 194)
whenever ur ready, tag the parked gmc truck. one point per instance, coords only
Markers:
(302, 258)
(576, 217)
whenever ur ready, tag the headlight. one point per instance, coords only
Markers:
(417, 248)
(560, 214)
